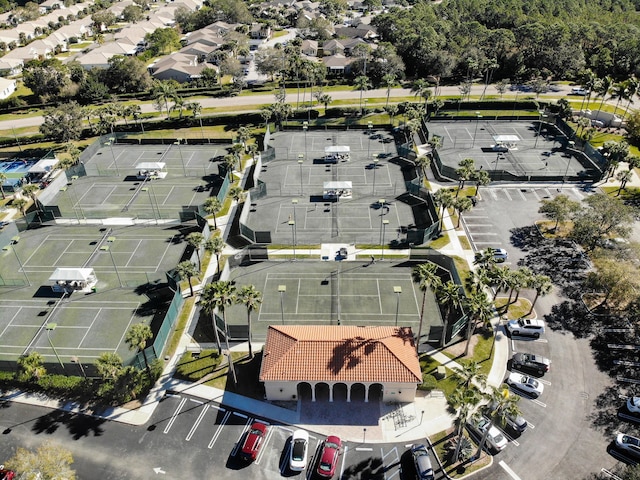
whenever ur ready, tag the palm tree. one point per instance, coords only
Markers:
(502, 404)
(620, 91)
(589, 81)
(542, 285)
(392, 111)
(444, 199)
(253, 150)
(602, 89)
(425, 275)
(187, 270)
(223, 296)
(229, 162)
(479, 309)
(388, 81)
(500, 279)
(463, 204)
(208, 306)
(213, 206)
(422, 162)
(109, 365)
(244, 134)
(179, 104)
(465, 171)
(464, 401)
(237, 193)
(3, 178)
(420, 88)
(363, 84)
(524, 276)
(21, 204)
(250, 298)
(482, 178)
(31, 367)
(215, 245)
(325, 99)
(470, 374)
(486, 258)
(448, 294)
(137, 337)
(195, 240)
(478, 278)
(30, 190)
(163, 92)
(632, 85)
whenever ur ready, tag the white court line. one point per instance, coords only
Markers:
(89, 328)
(197, 422)
(298, 294)
(133, 254)
(175, 415)
(10, 321)
(511, 473)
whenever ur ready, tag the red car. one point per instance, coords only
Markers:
(253, 441)
(6, 474)
(329, 457)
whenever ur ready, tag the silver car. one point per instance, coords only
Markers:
(422, 462)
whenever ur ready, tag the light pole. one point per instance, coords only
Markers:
(300, 162)
(364, 434)
(202, 128)
(542, 116)
(49, 327)
(65, 189)
(111, 140)
(153, 210)
(572, 145)
(292, 223)
(178, 143)
(282, 289)
(75, 359)
(305, 127)
(369, 128)
(397, 290)
(24, 272)
(381, 203)
(107, 248)
(478, 117)
(384, 227)
(375, 167)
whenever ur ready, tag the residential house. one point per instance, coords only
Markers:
(340, 363)
(260, 31)
(7, 87)
(10, 66)
(338, 65)
(341, 46)
(309, 48)
(179, 67)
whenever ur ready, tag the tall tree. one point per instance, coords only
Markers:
(462, 204)
(213, 206)
(63, 123)
(163, 92)
(215, 245)
(251, 298)
(187, 270)
(449, 295)
(561, 208)
(542, 285)
(479, 309)
(195, 240)
(465, 171)
(425, 275)
(31, 367)
(602, 90)
(49, 461)
(137, 337)
(362, 84)
(109, 365)
(223, 296)
(444, 199)
(420, 88)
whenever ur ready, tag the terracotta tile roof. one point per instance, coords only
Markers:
(340, 354)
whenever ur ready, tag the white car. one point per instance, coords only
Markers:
(299, 450)
(528, 327)
(580, 91)
(525, 383)
(496, 441)
(633, 404)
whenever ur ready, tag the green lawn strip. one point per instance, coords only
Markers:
(459, 469)
(465, 243)
(482, 353)
(517, 309)
(440, 242)
(180, 327)
(194, 367)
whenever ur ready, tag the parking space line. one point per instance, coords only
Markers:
(538, 402)
(197, 422)
(506, 192)
(506, 468)
(521, 194)
(396, 460)
(196, 401)
(241, 415)
(266, 441)
(219, 429)
(175, 415)
(364, 449)
(531, 425)
(344, 459)
(245, 429)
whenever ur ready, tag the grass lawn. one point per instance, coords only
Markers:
(440, 242)
(517, 309)
(458, 469)
(548, 230)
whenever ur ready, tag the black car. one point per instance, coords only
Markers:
(528, 361)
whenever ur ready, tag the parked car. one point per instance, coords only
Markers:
(633, 404)
(580, 91)
(529, 327)
(499, 255)
(6, 474)
(253, 441)
(628, 445)
(526, 384)
(531, 362)
(299, 450)
(515, 423)
(422, 462)
(496, 441)
(329, 457)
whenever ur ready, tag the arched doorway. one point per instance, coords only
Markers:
(375, 392)
(322, 392)
(304, 391)
(357, 392)
(340, 392)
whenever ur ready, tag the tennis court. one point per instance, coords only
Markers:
(538, 151)
(296, 204)
(86, 323)
(332, 293)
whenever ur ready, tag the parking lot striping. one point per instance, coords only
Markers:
(531, 425)
(245, 429)
(199, 402)
(610, 474)
(506, 468)
(538, 402)
(219, 429)
(266, 441)
(175, 415)
(364, 449)
(394, 450)
(197, 422)
(241, 415)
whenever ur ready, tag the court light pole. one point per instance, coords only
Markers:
(153, 210)
(381, 203)
(66, 189)
(305, 127)
(292, 224)
(369, 128)
(478, 117)
(49, 327)
(384, 228)
(111, 141)
(542, 117)
(300, 162)
(397, 290)
(375, 167)
(107, 248)
(282, 289)
(24, 272)
(75, 359)
(178, 143)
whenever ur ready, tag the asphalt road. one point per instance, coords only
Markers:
(267, 99)
(561, 441)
